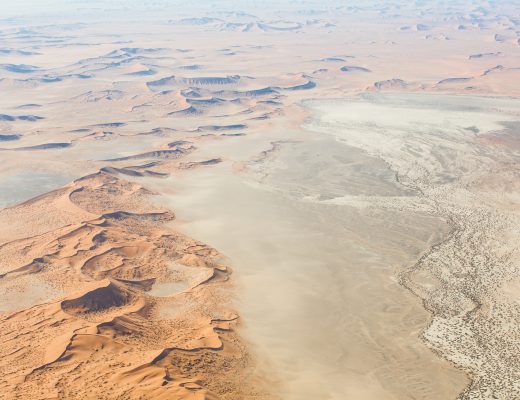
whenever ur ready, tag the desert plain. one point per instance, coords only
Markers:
(260, 200)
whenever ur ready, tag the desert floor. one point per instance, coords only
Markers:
(260, 200)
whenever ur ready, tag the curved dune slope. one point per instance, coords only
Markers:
(100, 319)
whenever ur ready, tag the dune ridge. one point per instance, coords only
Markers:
(200, 109)
(104, 325)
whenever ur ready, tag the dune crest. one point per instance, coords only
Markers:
(103, 323)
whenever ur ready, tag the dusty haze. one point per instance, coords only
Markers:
(259, 200)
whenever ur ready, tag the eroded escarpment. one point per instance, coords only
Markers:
(84, 305)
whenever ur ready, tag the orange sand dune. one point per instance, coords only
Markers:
(101, 322)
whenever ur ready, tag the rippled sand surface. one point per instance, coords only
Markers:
(259, 200)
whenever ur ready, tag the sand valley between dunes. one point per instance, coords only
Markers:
(271, 201)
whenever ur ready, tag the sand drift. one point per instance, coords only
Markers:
(342, 238)
(259, 200)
